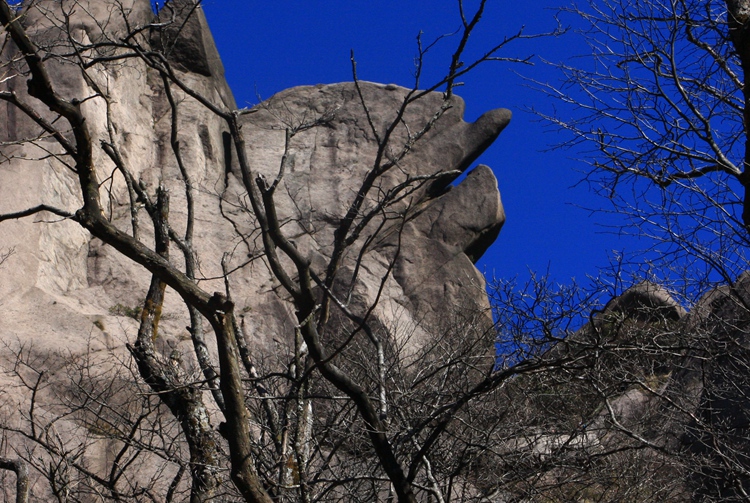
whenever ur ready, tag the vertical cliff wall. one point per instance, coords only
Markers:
(71, 303)
(59, 281)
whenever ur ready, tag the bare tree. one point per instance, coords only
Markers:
(629, 401)
(659, 106)
(650, 405)
(22, 477)
(100, 403)
(660, 110)
(393, 418)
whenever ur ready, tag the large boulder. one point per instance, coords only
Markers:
(428, 255)
(65, 295)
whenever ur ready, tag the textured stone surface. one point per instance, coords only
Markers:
(64, 294)
(717, 387)
(189, 45)
(59, 282)
(646, 301)
(430, 249)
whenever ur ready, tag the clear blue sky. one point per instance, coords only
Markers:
(270, 46)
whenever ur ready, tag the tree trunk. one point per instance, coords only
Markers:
(22, 477)
(237, 427)
(738, 14)
(184, 401)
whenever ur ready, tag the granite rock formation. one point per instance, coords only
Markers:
(65, 295)
(56, 264)
(644, 376)
(657, 391)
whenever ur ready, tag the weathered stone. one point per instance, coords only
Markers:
(713, 382)
(646, 302)
(64, 294)
(432, 246)
(183, 35)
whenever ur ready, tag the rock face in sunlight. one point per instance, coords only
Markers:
(61, 280)
(66, 295)
(429, 253)
(640, 374)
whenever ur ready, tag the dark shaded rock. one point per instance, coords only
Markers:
(647, 302)
(716, 381)
(184, 37)
(469, 216)
(473, 139)
(438, 246)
